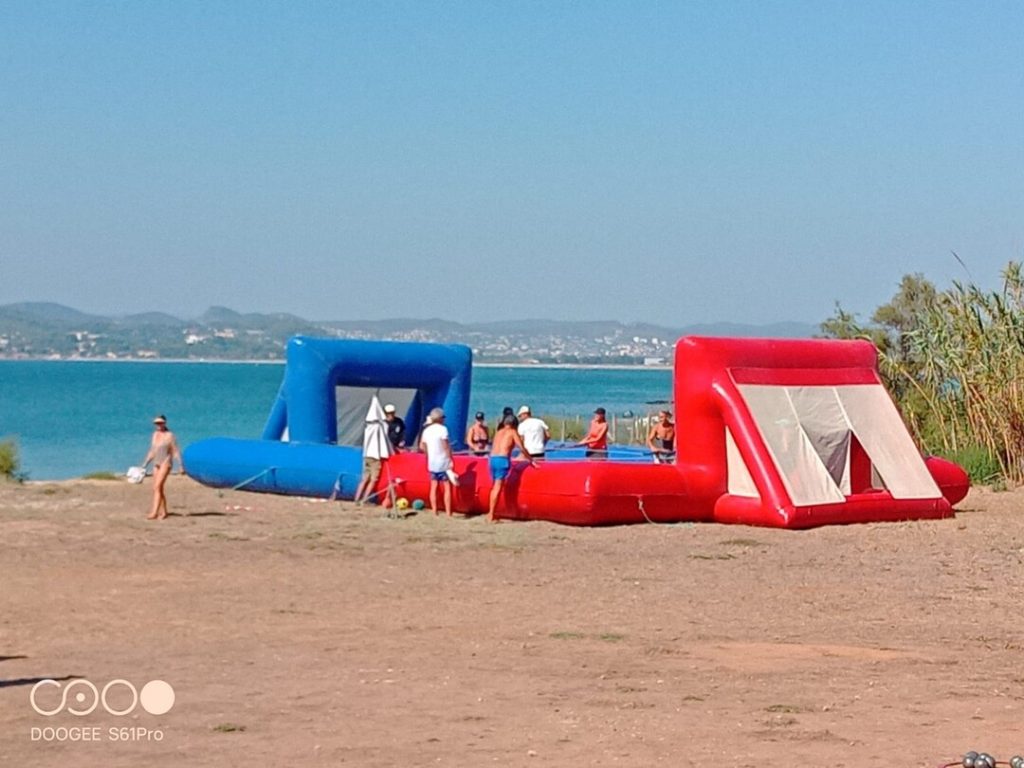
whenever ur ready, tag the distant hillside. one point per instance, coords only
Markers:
(149, 318)
(40, 329)
(45, 314)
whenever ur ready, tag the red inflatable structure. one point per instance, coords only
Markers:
(783, 433)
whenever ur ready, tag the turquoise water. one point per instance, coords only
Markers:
(72, 418)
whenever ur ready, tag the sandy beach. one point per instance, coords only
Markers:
(297, 632)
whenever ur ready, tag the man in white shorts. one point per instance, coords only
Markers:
(535, 433)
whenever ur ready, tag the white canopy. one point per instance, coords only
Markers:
(807, 431)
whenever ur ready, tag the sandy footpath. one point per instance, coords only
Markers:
(298, 633)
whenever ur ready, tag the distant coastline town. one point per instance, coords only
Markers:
(47, 331)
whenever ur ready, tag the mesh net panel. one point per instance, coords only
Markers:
(802, 471)
(739, 479)
(353, 402)
(877, 424)
(821, 417)
(808, 432)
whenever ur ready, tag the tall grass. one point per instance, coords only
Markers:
(954, 362)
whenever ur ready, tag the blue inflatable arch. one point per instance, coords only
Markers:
(309, 462)
(306, 405)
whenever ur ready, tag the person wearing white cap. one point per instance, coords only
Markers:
(435, 444)
(163, 450)
(396, 428)
(534, 431)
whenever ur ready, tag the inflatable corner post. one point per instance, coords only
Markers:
(784, 433)
(799, 433)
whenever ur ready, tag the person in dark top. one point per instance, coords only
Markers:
(396, 428)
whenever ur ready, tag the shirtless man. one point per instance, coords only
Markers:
(662, 438)
(500, 463)
(163, 450)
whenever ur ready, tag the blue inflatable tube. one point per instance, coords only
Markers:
(298, 469)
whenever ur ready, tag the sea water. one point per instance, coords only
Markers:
(70, 418)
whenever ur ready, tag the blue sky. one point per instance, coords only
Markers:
(668, 162)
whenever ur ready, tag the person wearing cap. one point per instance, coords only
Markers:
(596, 439)
(478, 436)
(396, 428)
(662, 438)
(435, 444)
(505, 413)
(163, 450)
(534, 431)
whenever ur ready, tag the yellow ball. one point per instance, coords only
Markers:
(402, 502)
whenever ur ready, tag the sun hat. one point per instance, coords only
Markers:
(389, 408)
(523, 409)
(161, 419)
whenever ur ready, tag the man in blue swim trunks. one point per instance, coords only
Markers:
(434, 443)
(500, 463)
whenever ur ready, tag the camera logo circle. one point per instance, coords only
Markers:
(156, 697)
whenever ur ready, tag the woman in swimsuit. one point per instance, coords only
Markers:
(478, 436)
(163, 450)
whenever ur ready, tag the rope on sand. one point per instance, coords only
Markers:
(253, 478)
(337, 487)
(640, 506)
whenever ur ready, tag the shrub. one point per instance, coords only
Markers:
(101, 476)
(9, 462)
(981, 466)
(568, 428)
(954, 363)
